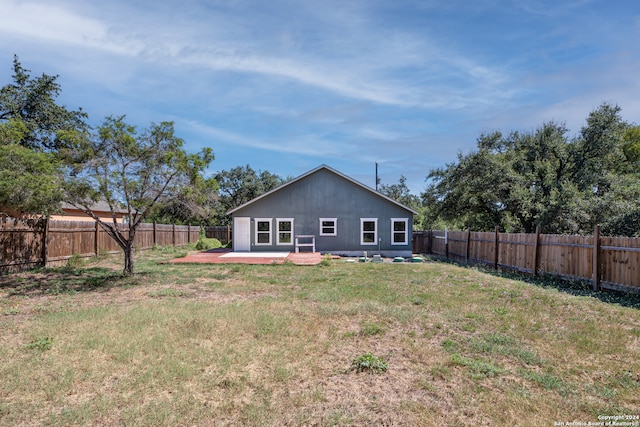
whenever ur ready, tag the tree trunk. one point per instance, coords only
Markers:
(128, 259)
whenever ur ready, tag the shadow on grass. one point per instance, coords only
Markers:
(576, 287)
(573, 287)
(66, 280)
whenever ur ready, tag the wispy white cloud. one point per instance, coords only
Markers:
(353, 70)
(49, 24)
(308, 145)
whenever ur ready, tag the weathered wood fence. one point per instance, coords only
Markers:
(220, 232)
(607, 262)
(27, 243)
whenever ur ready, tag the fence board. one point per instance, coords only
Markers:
(164, 234)
(220, 232)
(619, 260)
(482, 247)
(182, 236)
(457, 241)
(421, 242)
(144, 237)
(20, 243)
(568, 256)
(517, 251)
(438, 242)
(66, 238)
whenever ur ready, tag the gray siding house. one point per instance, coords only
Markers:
(324, 211)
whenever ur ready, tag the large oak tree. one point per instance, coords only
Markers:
(546, 178)
(34, 129)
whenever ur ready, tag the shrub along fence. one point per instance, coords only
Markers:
(28, 243)
(607, 262)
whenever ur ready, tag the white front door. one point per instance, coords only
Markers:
(242, 234)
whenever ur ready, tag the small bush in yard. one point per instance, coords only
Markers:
(205, 243)
(370, 363)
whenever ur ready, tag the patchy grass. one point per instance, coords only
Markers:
(282, 345)
(369, 363)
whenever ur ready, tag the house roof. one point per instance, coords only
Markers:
(311, 172)
(99, 206)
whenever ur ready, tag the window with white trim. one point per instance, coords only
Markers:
(285, 231)
(263, 231)
(328, 226)
(368, 231)
(399, 231)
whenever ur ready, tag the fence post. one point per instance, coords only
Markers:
(45, 243)
(155, 232)
(496, 249)
(228, 233)
(466, 255)
(173, 234)
(595, 284)
(96, 233)
(536, 253)
(446, 243)
(188, 233)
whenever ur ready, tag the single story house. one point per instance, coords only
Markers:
(324, 211)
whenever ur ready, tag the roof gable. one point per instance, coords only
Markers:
(316, 170)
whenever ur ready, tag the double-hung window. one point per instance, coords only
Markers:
(368, 231)
(328, 226)
(399, 231)
(263, 231)
(285, 231)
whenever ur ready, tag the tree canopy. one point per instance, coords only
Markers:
(32, 130)
(131, 170)
(32, 102)
(29, 181)
(545, 178)
(401, 193)
(239, 185)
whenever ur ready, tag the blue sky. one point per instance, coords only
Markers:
(287, 85)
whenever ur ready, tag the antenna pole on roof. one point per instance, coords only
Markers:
(377, 179)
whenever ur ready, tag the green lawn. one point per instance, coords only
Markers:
(335, 344)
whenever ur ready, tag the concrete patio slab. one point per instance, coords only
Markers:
(255, 255)
(218, 256)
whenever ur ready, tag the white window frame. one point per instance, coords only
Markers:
(335, 226)
(278, 242)
(375, 231)
(406, 231)
(270, 222)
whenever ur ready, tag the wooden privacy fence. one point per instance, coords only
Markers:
(608, 262)
(27, 243)
(220, 232)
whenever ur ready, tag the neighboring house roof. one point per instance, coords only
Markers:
(321, 167)
(100, 206)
